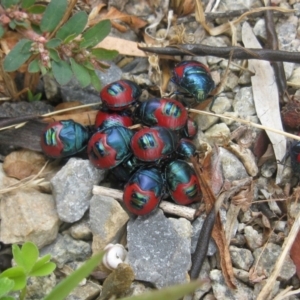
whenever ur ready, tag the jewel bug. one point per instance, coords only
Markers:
(143, 191)
(120, 94)
(163, 112)
(154, 143)
(185, 148)
(64, 138)
(182, 182)
(194, 77)
(109, 147)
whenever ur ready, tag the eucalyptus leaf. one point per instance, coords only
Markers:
(62, 290)
(96, 83)
(34, 66)
(27, 3)
(17, 274)
(1, 31)
(54, 12)
(9, 3)
(104, 54)
(36, 9)
(17, 56)
(53, 43)
(81, 73)
(74, 26)
(61, 71)
(95, 34)
(6, 285)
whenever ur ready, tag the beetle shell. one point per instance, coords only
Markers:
(109, 147)
(182, 182)
(295, 156)
(195, 78)
(185, 148)
(163, 112)
(64, 138)
(143, 191)
(120, 94)
(106, 119)
(152, 144)
(190, 129)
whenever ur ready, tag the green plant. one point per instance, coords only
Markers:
(33, 97)
(28, 264)
(51, 42)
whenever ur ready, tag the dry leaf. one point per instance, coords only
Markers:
(295, 253)
(218, 233)
(266, 97)
(85, 118)
(124, 47)
(182, 7)
(244, 198)
(294, 80)
(23, 163)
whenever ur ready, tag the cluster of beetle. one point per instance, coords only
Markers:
(151, 161)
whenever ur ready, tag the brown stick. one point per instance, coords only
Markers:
(238, 52)
(167, 207)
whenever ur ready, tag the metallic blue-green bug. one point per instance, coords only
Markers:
(195, 78)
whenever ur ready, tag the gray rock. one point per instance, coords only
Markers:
(73, 91)
(241, 258)
(22, 108)
(266, 257)
(40, 287)
(243, 102)
(217, 134)
(222, 291)
(245, 78)
(72, 188)
(156, 252)
(81, 231)
(230, 114)
(65, 249)
(197, 226)
(268, 168)
(259, 29)
(220, 41)
(232, 81)
(28, 216)
(232, 167)
(241, 275)
(258, 287)
(107, 220)
(90, 290)
(206, 285)
(287, 31)
(253, 238)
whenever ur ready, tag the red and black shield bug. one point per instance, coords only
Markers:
(143, 191)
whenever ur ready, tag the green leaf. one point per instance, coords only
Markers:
(63, 289)
(73, 27)
(36, 9)
(81, 73)
(54, 55)
(96, 83)
(27, 256)
(34, 66)
(44, 270)
(27, 3)
(1, 31)
(104, 54)
(12, 24)
(170, 293)
(43, 266)
(6, 285)
(43, 69)
(7, 298)
(17, 274)
(62, 71)
(22, 24)
(53, 14)
(17, 56)
(9, 3)
(53, 43)
(96, 34)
